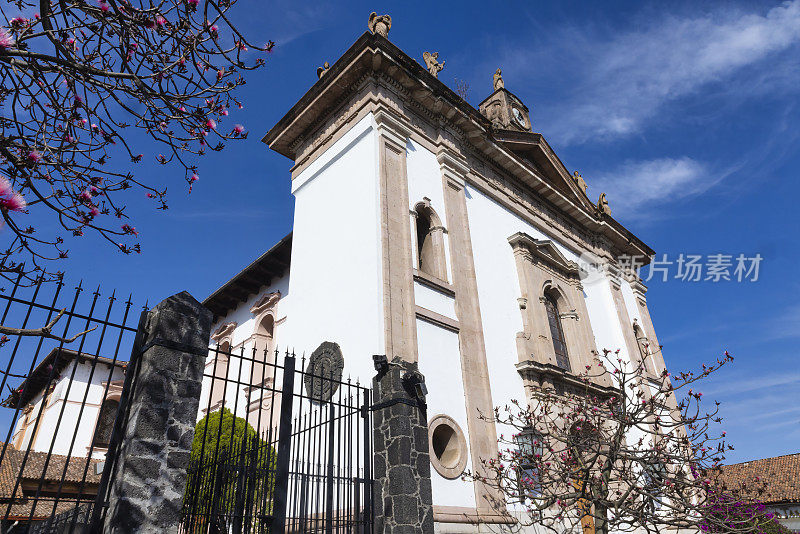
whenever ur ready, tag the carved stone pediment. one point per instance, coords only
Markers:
(545, 251)
(267, 301)
(224, 331)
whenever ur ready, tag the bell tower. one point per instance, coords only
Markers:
(505, 109)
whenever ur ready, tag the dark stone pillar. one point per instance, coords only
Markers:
(147, 490)
(403, 500)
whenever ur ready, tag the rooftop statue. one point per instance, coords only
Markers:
(498, 79)
(380, 24)
(323, 69)
(602, 205)
(432, 62)
(580, 181)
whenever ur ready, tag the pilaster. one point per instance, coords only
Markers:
(398, 282)
(474, 368)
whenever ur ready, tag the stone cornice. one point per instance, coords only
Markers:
(532, 370)
(266, 302)
(454, 167)
(225, 330)
(545, 251)
(373, 57)
(392, 128)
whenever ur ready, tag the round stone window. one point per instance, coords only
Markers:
(447, 446)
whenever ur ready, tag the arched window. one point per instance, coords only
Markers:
(430, 242)
(263, 348)
(556, 332)
(219, 366)
(105, 423)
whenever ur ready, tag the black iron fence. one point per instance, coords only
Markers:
(64, 355)
(280, 445)
(278, 449)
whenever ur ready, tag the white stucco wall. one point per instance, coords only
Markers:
(66, 403)
(440, 363)
(335, 291)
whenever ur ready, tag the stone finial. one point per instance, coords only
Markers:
(380, 24)
(602, 205)
(323, 69)
(579, 181)
(498, 79)
(432, 62)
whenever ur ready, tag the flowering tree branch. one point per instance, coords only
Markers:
(76, 78)
(636, 456)
(45, 331)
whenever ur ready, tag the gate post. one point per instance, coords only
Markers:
(403, 502)
(147, 492)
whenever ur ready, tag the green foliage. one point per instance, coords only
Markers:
(231, 472)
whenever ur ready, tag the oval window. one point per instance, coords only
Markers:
(448, 446)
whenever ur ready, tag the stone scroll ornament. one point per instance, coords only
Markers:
(323, 372)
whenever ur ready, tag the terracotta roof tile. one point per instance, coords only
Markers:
(781, 475)
(35, 470)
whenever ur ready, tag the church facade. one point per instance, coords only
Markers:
(434, 232)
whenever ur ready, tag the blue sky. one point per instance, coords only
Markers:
(685, 113)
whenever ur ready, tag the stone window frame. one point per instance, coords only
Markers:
(111, 397)
(456, 470)
(218, 364)
(544, 270)
(436, 231)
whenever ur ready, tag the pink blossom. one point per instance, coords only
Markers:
(193, 178)
(193, 3)
(95, 212)
(85, 196)
(104, 7)
(161, 21)
(224, 112)
(18, 22)
(15, 202)
(34, 157)
(211, 124)
(128, 229)
(239, 129)
(214, 30)
(5, 187)
(220, 74)
(6, 41)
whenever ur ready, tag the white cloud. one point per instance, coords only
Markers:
(635, 186)
(622, 79)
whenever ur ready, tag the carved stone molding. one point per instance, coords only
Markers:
(267, 301)
(545, 251)
(392, 128)
(224, 330)
(323, 372)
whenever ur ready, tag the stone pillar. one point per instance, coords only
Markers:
(147, 490)
(403, 498)
(474, 365)
(398, 283)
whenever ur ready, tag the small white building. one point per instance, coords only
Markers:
(74, 397)
(432, 231)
